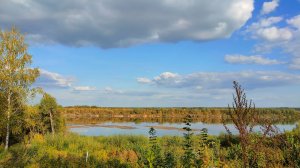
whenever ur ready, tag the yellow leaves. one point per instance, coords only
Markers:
(38, 138)
(129, 156)
(5, 158)
(206, 156)
(33, 165)
(124, 155)
(55, 154)
(73, 147)
(15, 60)
(101, 154)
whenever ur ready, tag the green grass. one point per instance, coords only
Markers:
(70, 150)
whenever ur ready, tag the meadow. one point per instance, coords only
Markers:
(71, 150)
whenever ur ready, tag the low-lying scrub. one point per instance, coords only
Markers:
(72, 150)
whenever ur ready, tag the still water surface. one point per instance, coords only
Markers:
(132, 128)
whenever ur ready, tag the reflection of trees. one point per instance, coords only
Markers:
(172, 115)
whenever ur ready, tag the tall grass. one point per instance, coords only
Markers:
(72, 150)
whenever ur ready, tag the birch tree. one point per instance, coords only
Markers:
(16, 76)
(49, 111)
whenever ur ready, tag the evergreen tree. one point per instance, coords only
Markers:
(155, 158)
(169, 160)
(189, 156)
(203, 144)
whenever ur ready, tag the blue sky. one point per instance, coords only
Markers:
(162, 53)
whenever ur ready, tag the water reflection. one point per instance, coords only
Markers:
(141, 128)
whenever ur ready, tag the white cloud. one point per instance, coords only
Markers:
(53, 80)
(285, 38)
(295, 21)
(166, 76)
(256, 59)
(143, 80)
(275, 34)
(266, 30)
(269, 7)
(265, 22)
(113, 23)
(84, 88)
(109, 90)
(221, 80)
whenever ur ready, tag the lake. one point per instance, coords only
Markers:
(142, 128)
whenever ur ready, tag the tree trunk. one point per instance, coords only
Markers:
(51, 123)
(8, 120)
(7, 134)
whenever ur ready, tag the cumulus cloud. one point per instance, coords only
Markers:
(84, 88)
(266, 22)
(112, 23)
(143, 80)
(223, 80)
(53, 80)
(295, 21)
(285, 38)
(256, 59)
(275, 34)
(270, 6)
(166, 76)
(267, 30)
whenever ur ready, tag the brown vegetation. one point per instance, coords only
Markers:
(92, 114)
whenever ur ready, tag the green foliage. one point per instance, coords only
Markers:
(50, 115)
(16, 78)
(154, 156)
(169, 160)
(189, 156)
(203, 144)
(69, 150)
(292, 148)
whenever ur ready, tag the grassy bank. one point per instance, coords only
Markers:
(71, 150)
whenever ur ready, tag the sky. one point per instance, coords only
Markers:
(162, 53)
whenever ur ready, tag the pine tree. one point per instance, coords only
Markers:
(155, 150)
(189, 156)
(169, 160)
(203, 144)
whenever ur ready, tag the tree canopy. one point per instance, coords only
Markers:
(16, 78)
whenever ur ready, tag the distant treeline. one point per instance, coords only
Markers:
(176, 114)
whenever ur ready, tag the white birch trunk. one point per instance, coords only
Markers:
(51, 123)
(8, 120)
